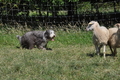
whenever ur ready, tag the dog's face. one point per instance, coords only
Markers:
(50, 34)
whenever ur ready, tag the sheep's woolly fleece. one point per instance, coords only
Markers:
(100, 35)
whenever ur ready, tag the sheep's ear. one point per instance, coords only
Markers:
(90, 23)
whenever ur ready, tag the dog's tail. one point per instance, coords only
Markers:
(19, 37)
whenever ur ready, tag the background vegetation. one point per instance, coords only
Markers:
(57, 7)
(58, 12)
(71, 58)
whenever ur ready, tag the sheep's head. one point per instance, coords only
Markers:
(117, 25)
(91, 25)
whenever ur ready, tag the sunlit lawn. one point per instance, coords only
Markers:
(71, 59)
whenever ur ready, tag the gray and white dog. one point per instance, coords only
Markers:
(36, 38)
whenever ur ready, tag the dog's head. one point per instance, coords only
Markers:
(50, 34)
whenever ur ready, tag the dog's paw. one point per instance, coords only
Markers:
(48, 49)
(43, 48)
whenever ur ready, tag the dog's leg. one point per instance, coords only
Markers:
(31, 45)
(47, 47)
(41, 47)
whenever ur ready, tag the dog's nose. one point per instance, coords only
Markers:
(54, 36)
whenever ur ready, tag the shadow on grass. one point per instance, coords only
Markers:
(34, 47)
(18, 47)
(90, 54)
(101, 54)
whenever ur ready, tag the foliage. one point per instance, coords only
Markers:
(53, 1)
(33, 7)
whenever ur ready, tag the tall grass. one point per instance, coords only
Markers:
(70, 59)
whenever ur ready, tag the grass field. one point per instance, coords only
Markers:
(70, 59)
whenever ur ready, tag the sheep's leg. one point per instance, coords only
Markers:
(111, 50)
(99, 48)
(104, 47)
(115, 52)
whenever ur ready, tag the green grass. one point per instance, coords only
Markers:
(70, 59)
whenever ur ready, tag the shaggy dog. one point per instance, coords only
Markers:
(36, 38)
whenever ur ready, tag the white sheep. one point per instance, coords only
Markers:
(100, 35)
(114, 40)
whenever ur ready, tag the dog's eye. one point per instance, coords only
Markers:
(50, 32)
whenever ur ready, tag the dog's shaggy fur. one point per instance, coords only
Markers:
(36, 38)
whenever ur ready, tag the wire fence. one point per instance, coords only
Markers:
(37, 12)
